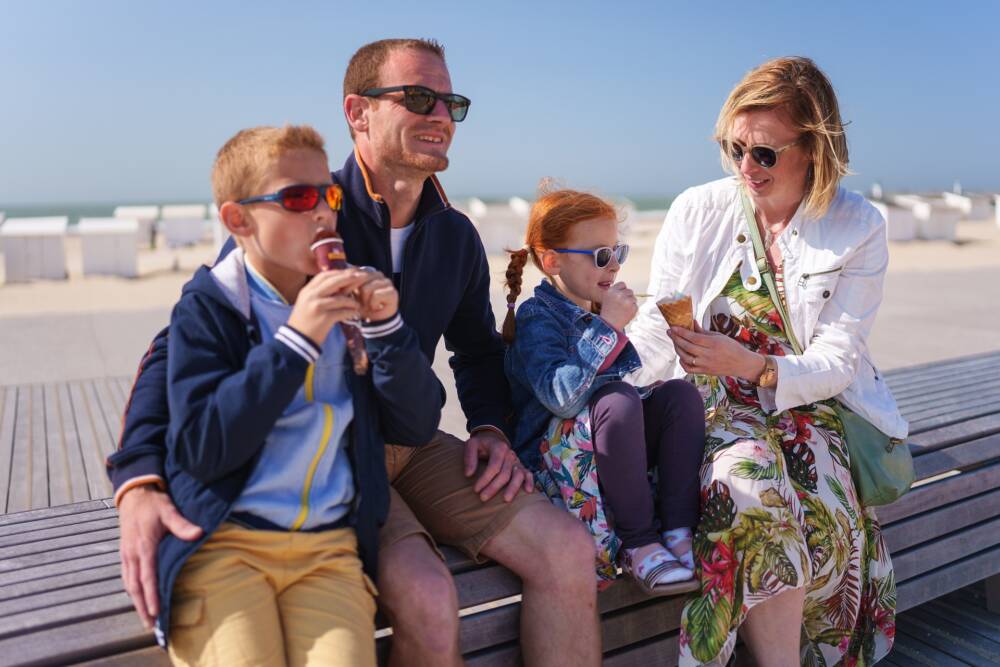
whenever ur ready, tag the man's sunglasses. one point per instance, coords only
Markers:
(421, 100)
(602, 256)
(302, 198)
(765, 156)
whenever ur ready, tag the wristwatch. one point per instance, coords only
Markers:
(769, 376)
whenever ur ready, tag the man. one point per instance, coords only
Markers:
(399, 105)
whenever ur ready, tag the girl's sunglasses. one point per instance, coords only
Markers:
(602, 256)
(302, 198)
(765, 156)
(421, 100)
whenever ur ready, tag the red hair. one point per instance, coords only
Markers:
(552, 216)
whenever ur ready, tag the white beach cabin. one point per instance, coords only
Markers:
(935, 219)
(145, 217)
(996, 208)
(109, 246)
(34, 248)
(183, 224)
(900, 223)
(973, 207)
(500, 226)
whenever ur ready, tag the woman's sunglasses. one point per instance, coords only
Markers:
(302, 198)
(765, 156)
(421, 100)
(602, 256)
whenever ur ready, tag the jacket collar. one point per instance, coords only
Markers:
(356, 181)
(558, 301)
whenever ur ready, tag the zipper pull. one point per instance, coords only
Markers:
(803, 279)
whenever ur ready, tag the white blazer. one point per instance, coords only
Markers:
(834, 268)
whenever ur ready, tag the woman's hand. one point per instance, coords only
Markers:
(711, 353)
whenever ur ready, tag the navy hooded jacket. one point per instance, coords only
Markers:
(236, 386)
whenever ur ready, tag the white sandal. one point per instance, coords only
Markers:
(671, 539)
(659, 573)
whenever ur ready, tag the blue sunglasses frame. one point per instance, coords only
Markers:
(619, 252)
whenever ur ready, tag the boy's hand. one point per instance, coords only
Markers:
(325, 300)
(619, 306)
(379, 298)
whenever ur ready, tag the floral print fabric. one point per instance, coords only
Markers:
(779, 511)
(568, 476)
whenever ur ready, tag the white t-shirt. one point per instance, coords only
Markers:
(397, 238)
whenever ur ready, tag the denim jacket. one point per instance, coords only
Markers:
(553, 364)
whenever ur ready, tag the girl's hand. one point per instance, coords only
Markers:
(619, 306)
(712, 353)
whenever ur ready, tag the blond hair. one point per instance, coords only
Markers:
(239, 166)
(797, 86)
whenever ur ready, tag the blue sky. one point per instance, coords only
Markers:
(128, 101)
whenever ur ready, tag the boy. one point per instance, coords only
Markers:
(275, 446)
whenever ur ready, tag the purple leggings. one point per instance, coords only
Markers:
(631, 435)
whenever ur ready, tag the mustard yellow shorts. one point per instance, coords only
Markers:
(263, 597)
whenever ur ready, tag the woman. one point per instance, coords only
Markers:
(783, 541)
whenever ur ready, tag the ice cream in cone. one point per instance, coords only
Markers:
(676, 310)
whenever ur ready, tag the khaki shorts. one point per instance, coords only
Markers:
(431, 496)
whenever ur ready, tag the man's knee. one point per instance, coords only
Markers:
(416, 589)
(566, 550)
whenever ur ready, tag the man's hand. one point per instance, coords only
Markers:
(145, 516)
(378, 296)
(503, 469)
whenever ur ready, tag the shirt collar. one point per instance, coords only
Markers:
(261, 286)
(359, 190)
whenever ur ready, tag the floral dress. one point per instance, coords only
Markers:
(779, 511)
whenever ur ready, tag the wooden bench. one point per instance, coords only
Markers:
(61, 598)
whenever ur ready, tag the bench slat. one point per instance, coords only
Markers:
(153, 656)
(86, 640)
(940, 552)
(931, 525)
(35, 561)
(62, 525)
(18, 520)
(69, 579)
(663, 650)
(967, 454)
(8, 420)
(946, 491)
(950, 379)
(49, 540)
(41, 551)
(33, 574)
(928, 586)
(41, 605)
(641, 622)
(940, 438)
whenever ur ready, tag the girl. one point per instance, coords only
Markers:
(566, 365)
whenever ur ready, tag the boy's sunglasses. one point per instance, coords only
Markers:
(602, 256)
(765, 156)
(302, 198)
(421, 100)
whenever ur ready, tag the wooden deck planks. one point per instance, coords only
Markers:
(8, 420)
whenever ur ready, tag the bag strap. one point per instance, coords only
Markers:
(764, 267)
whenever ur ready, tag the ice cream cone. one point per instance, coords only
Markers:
(677, 311)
